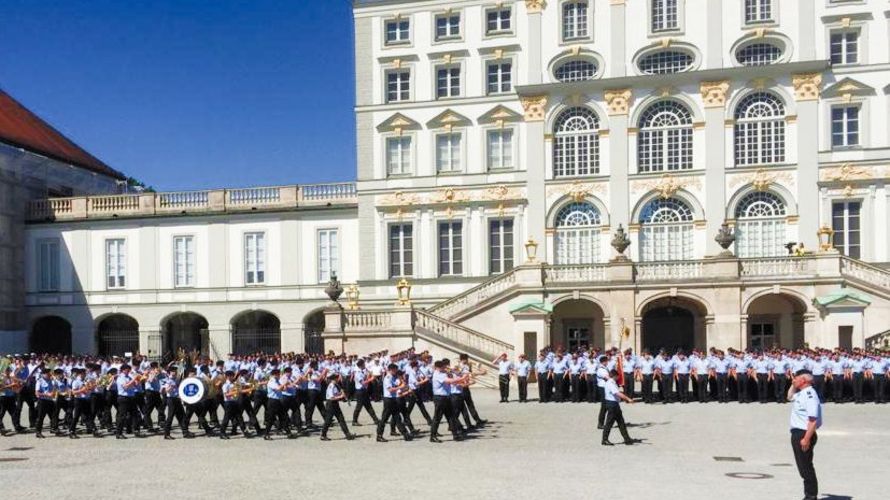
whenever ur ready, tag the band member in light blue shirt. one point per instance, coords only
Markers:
(522, 370)
(333, 396)
(806, 418)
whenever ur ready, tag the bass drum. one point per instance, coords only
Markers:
(193, 390)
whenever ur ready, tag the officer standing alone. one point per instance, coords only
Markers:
(806, 418)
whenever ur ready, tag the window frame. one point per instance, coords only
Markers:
(461, 151)
(397, 43)
(500, 32)
(452, 249)
(190, 279)
(392, 70)
(860, 116)
(588, 24)
(333, 255)
(773, 127)
(450, 38)
(773, 18)
(461, 91)
(503, 264)
(261, 264)
(500, 62)
(403, 262)
(653, 136)
(844, 249)
(565, 142)
(119, 284)
(54, 270)
(514, 130)
(411, 151)
(650, 17)
(844, 31)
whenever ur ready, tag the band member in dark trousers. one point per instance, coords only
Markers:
(153, 400)
(8, 386)
(613, 397)
(46, 403)
(505, 367)
(80, 392)
(602, 375)
(542, 369)
(174, 408)
(232, 412)
(362, 380)
(244, 401)
(806, 418)
(27, 377)
(441, 390)
(333, 396)
(126, 404)
(275, 414)
(392, 384)
(417, 383)
(467, 404)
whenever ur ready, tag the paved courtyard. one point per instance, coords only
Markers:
(528, 451)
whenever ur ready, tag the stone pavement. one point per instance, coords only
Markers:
(528, 451)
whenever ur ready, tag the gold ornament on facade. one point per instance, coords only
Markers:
(714, 93)
(533, 108)
(847, 172)
(807, 86)
(535, 6)
(667, 186)
(618, 101)
(761, 180)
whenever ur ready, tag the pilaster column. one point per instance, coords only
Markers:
(535, 108)
(150, 342)
(534, 8)
(714, 96)
(618, 102)
(714, 47)
(292, 337)
(806, 19)
(806, 93)
(220, 337)
(618, 38)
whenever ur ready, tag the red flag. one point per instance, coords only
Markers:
(620, 368)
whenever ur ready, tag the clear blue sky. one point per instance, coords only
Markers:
(187, 94)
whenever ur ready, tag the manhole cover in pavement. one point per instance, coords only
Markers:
(728, 459)
(749, 475)
(13, 459)
(20, 448)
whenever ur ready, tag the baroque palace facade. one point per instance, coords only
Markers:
(650, 173)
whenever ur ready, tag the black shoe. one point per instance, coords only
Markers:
(119, 436)
(350, 437)
(356, 424)
(291, 435)
(73, 436)
(481, 423)
(381, 439)
(394, 434)
(607, 443)
(325, 438)
(248, 435)
(168, 437)
(459, 437)
(629, 442)
(434, 439)
(188, 435)
(40, 435)
(409, 437)
(600, 427)
(224, 436)
(267, 437)
(97, 434)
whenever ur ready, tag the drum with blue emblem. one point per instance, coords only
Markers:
(193, 390)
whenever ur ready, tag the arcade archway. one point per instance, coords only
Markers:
(50, 334)
(185, 331)
(673, 323)
(256, 331)
(577, 323)
(117, 334)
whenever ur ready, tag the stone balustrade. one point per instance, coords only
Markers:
(192, 202)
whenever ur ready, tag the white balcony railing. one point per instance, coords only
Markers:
(183, 200)
(863, 272)
(367, 321)
(463, 301)
(583, 273)
(254, 196)
(669, 271)
(122, 203)
(327, 192)
(489, 347)
(779, 266)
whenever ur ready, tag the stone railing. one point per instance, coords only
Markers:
(778, 266)
(486, 347)
(585, 273)
(480, 293)
(866, 273)
(878, 341)
(669, 271)
(365, 321)
(203, 201)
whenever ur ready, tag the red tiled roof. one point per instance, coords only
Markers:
(21, 128)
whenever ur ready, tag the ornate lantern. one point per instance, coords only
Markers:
(826, 238)
(352, 294)
(404, 290)
(531, 250)
(334, 290)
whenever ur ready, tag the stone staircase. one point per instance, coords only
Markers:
(878, 341)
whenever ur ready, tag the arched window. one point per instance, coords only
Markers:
(666, 230)
(758, 54)
(665, 61)
(577, 234)
(576, 70)
(665, 138)
(760, 225)
(577, 147)
(760, 130)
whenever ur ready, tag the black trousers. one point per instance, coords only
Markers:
(702, 386)
(880, 388)
(232, 413)
(469, 405)
(522, 382)
(315, 401)
(779, 383)
(762, 386)
(82, 413)
(98, 408)
(275, 415)
(259, 401)
(601, 395)
(174, 409)
(559, 382)
(442, 408)
(591, 389)
(837, 389)
(126, 412)
(392, 411)
(292, 405)
(722, 393)
(459, 407)
(24, 398)
(613, 416)
(46, 407)
(7, 405)
(363, 401)
(245, 407)
(666, 387)
(415, 400)
(153, 401)
(575, 381)
(198, 410)
(332, 411)
(804, 461)
(629, 383)
(504, 386)
(858, 382)
(647, 388)
(819, 385)
(742, 385)
(683, 387)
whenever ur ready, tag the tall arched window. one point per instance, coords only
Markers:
(760, 225)
(577, 147)
(760, 130)
(665, 138)
(666, 230)
(577, 234)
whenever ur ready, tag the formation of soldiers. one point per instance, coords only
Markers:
(840, 376)
(82, 395)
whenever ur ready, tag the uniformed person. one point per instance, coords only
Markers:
(392, 384)
(522, 370)
(82, 411)
(231, 391)
(613, 396)
(362, 380)
(174, 408)
(333, 396)
(441, 384)
(542, 368)
(505, 368)
(8, 387)
(126, 404)
(806, 418)
(46, 401)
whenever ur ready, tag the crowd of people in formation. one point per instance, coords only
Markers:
(256, 395)
(839, 375)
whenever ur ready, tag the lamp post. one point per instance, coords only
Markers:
(531, 251)
(352, 295)
(404, 292)
(826, 238)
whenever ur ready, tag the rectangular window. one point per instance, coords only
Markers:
(846, 223)
(448, 152)
(845, 126)
(664, 15)
(401, 250)
(116, 263)
(48, 262)
(448, 81)
(499, 145)
(500, 77)
(328, 254)
(844, 47)
(758, 11)
(574, 20)
(763, 336)
(447, 26)
(398, 85)
(500, 244)
(498, 21)
(398, 155)
(254, 258)
(184, 261)
(398, 31)
(450, 248)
